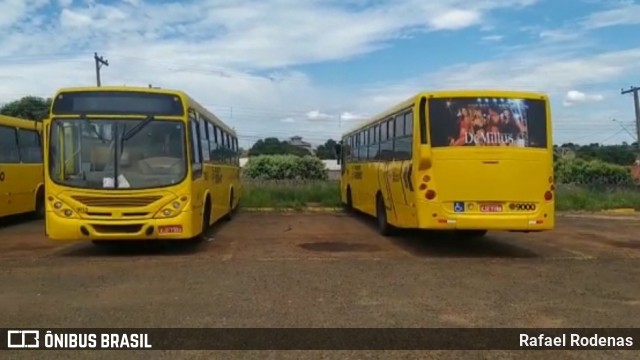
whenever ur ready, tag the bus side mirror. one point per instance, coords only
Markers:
(338, 152)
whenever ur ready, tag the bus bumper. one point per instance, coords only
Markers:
(180, 227)
(539, 221)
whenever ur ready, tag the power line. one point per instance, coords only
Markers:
(636, 102)
(100, 61)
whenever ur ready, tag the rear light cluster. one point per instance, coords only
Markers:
(548, 195)
(522, 206)
(429, 194)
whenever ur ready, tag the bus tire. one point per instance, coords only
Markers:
(206, 218)
(229, 215)
(40, 206)
(349, 204)
(384, 228)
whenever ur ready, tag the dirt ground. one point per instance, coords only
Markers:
(330, 270)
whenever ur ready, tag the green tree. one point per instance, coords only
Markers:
(327, 150)
(273, 146)
(29, 107)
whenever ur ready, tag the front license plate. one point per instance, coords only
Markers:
(172, 229)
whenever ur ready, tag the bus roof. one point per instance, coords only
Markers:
(446, 93)
(20, 123)
(184, 96)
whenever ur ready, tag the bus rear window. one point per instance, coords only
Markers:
(489, 121)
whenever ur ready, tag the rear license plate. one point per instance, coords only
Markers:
(491, 208)
(171, 229)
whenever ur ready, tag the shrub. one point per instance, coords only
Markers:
(285, 167)
(591, 172)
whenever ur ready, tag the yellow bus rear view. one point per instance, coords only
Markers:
(21, 182)
(468, 161)
(126, 163)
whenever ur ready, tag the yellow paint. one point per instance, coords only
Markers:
(127, 214)
(20, 166)
(470, 174)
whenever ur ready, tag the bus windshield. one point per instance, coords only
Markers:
(106, 153)
(465, 121)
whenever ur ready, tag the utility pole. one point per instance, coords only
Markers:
(636, 103)
(100, 61)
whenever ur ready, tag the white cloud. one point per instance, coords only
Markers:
(627, 13)
(493, 38)
(236, 56)
(72, 19)
(65, 3)
(317, 115)
(348, 116)
(577, 97)
(455, 19)
(560, 35)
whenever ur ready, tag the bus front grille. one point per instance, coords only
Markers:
(117, 229)
(112, 201)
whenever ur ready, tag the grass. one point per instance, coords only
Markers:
(290, 194)
(293, 194)
(583, 198)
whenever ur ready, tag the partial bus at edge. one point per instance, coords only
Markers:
(21, 178)
(467, 161)
(125, 163)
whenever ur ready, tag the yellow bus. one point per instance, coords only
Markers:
(21, 180)
(470, 161)
(129, 163)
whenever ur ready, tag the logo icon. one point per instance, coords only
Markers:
(458, 206)
(20, 339)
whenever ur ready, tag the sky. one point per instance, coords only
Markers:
(316, 68)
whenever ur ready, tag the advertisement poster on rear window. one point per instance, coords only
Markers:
(488, 122)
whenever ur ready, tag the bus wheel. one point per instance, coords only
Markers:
(229, 214)
(40, 207)
(384, 227)
(349, 205)
(206, 217)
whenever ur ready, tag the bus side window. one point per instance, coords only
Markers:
(196, 159)
(376, 142)
(229, 150)
(358, 149)
(386, 141)
(8, 146)
(236, 150)
(398, 126)
(218, 156)
(204, 141)
(408, 131)
(29, 146)
(212, 142)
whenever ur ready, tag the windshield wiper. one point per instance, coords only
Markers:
(90, 125)
(136, 129)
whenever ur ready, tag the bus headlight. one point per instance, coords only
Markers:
(173, 208)
(61, 209)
